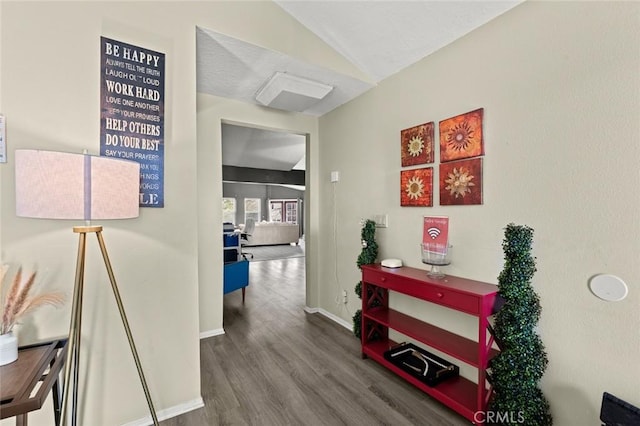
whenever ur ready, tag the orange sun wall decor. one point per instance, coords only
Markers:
(416, 145)
(461, 182)
(461, 136)
(416, 187)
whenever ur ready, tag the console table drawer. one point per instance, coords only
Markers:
(432, 293)
(452, 299)
(381, 279)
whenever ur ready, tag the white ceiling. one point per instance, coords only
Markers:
(379, 37)
(251, 147)
(384, 37)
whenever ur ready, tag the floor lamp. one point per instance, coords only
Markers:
(59, 185)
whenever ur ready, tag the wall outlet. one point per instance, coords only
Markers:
(344, 296)
(335, 176)
(381, 220)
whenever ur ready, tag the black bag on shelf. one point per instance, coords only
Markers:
(421, 364)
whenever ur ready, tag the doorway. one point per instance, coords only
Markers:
(260, 168)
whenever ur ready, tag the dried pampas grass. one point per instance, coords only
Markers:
(19, 302)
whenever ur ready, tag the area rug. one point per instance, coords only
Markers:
(261, 253)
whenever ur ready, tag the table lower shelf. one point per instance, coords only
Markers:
(458, 393)
(445, 341)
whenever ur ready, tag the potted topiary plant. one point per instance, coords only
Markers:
(368, 255)
(517, 369)
(16, 304)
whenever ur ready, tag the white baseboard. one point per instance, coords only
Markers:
(170, 412)
(329, 315)
(211, 333)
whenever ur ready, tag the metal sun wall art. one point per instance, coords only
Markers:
(416, 145)
(416, 187)
(461, 136)
(461, 182)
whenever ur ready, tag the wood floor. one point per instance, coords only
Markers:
(277, 365)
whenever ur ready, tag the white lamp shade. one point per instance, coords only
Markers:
(60, 185)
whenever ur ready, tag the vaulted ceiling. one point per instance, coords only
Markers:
(379, 37)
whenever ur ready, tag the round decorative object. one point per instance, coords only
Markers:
(608, 287)
(8, 348)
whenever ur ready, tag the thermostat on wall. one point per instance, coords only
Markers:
(391, 263)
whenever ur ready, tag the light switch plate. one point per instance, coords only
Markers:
(381, 220)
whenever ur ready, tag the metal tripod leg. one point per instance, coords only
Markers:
(72, 361)
(73, 351)
(116, 293)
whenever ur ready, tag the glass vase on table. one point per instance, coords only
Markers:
(436, 255)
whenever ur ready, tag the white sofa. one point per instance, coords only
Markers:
(271, 233)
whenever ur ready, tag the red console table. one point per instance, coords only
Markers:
(475, 298)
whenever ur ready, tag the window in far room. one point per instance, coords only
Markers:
(291, 209)
(283, 211)
(252, 209)
(275, 210)
(229, 210)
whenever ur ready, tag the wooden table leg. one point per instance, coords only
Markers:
(57, 406)
(21, 420)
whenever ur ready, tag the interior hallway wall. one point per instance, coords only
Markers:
(560, 89)
(168, 262)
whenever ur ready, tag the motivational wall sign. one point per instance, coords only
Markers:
(132, 112)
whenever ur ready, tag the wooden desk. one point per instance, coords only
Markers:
(41, 362)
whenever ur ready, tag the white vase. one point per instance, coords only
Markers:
(8, 348)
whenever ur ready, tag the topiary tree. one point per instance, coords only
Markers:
(368, 255)
(369, 251)
(517, 369)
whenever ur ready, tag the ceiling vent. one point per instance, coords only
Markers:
(291, 93)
